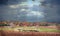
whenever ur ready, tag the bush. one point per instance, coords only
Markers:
(4, 25)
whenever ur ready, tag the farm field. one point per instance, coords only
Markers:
(11, 33)
(37, 29)
(26, 31)
(29, 31)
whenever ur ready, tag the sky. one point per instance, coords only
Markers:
(30, 10)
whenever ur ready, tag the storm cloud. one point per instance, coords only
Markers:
(30, 11)
(52, 8)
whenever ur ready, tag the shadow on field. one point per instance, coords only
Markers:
(2, 33)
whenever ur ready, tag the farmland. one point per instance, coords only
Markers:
(25, 31)
(39, 29)
(29, 29)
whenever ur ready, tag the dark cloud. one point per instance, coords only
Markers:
(3, 2)
(14, 2)
(10, 2)
(55, 2)
(7, 13)
(50, 7)
(52, 2)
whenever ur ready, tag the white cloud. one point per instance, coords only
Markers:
(14, 6)
(23, 10)
(25, 4)
(26, 10)
(36, 13)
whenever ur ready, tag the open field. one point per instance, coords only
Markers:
(26, 31)
(11, 33)
(39, 29)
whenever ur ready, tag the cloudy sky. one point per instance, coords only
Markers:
(30, 10)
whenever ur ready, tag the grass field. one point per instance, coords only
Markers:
(26, 29)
